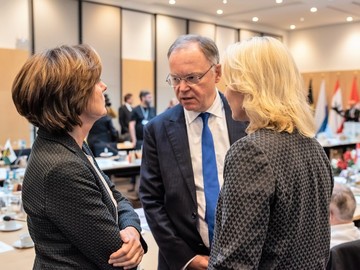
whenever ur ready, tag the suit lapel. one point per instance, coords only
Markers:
(175, 128)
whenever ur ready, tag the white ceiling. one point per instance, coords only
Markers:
(270, 14)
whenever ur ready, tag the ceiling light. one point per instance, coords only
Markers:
(255, 19)
(302, 19)
(292, 27)
(219, 11)
(172, 2)
(279, 1)
(313, 9)
(349, 19)
(225, 1)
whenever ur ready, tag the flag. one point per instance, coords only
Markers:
(335, 119)
(8, 154)
(321, 110)
(354, 93)
(310, 94)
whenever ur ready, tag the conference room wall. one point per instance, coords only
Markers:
(328, 48)
(328, 53)
(167, 30)
(55, 23)
(13, 126)
(246, 34)
(224, 36)
(14, 21)
(138, 54)
(101, 28)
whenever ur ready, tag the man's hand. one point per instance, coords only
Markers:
(131, 252)
(200, 262)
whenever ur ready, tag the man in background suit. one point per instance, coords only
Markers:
(171, 181)
(125, 116)
(140, 116)
(342, 208)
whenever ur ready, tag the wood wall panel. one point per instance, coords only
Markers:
(13, 126)
(137, 75)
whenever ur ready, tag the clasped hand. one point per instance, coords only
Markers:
(131, 251)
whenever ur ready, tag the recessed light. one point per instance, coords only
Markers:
(172, 2)
(313, 9)
(279, 1)
(255, 19)
(225, 1)
(302, 19)
(219, 11)
(349, 19)
(292, 27)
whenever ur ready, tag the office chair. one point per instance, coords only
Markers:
(345, 256)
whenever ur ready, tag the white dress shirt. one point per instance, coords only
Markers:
(343, 233)
(128, 106)
(218, 127)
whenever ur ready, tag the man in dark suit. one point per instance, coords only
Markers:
(171, 181)
(125, 116)
(140, 116)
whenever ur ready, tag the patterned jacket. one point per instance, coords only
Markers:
(71, 217)
(273, 211)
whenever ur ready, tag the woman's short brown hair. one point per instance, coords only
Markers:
(52, 89)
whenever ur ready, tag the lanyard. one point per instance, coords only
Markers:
(145, 113)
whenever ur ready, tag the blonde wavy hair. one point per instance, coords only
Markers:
(263, 70)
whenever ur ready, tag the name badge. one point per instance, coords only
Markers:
(144, 122)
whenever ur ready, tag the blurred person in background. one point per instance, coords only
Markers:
(103, 136)
(125, 117)
(140, 116)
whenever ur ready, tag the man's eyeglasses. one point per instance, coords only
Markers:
(189, 80)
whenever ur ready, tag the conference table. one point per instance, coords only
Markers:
(112, 165)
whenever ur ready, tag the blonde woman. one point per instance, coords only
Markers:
(272, 211)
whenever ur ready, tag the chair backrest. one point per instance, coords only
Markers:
(345, 256)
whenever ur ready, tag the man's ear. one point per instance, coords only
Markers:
(217, 73)
(331, 213)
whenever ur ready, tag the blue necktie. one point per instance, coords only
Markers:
(210, 174)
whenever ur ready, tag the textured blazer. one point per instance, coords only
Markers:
(167, 187)
(273, 208)
(71, 217)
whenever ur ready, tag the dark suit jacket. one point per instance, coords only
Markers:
(167, 188)
(71, 217)
(103, 135)
(345, 256)
(124, 119)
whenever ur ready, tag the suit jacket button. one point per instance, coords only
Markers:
(193, 215)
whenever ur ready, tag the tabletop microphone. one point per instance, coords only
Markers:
(8, 218)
